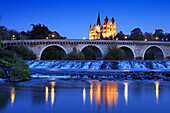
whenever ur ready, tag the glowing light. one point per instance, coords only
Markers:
(125, 37)
(13, 36)
(46, 94)
(84, 95)
(47, 37)
(52, 35)
(157, 91)
(156, 38)
(117, 39)
(12, 95)
(146, 40)
(91, 92)
(84, 38)
(52, 92)
(126, 92)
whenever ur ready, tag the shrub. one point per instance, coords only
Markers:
(75, 55)
(138, 58)
(18, 69)
(149, 55)
(51, 53)
(115, 53)
(89, 53)
(24, 52)
(167, 58)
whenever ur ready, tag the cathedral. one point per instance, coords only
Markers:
(107, 31)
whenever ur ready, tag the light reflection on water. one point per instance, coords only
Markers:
(84, 96)
(46, 94)
(104, 96)
(12, 95)
(126, 92)
(157, 92)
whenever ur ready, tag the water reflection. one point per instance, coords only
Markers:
(52, 93)
(91, 92)
(46, 94)
(97, 93)
(84, 95)
(126, 92)
(110, 93)
(107, 89)
(157, 92)
(12, 95)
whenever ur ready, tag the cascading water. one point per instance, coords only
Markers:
(101, 69)
(100, 65)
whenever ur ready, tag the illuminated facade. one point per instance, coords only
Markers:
(109, 29)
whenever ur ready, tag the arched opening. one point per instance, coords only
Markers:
(53, 53)
(92, 53)
(128, 53)
(153, 53)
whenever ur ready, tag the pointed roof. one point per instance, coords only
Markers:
(113, 20)
(106, 19)
(98, 19)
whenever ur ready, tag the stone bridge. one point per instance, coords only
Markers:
(132, 49)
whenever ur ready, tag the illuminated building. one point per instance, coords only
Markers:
(109, 29)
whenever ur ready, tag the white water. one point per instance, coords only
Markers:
(100, 65)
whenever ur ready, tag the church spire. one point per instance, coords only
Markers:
(98, 19)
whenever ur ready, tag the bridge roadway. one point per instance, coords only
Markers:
(132, 49)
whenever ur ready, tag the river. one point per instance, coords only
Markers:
(56, 89)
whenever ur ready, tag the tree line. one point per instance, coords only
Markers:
(38, 32)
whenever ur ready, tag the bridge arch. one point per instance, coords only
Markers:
(157, 52)
(129, 53)
(97, 50)
(59, 47)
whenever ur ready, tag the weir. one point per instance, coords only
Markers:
(100, 64)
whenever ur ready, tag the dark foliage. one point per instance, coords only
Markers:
(75, 55)
(51, 53)
(115, 53)
(23, 51)
(149, 55)
(89, 53)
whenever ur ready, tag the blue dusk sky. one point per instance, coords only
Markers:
(72, 18)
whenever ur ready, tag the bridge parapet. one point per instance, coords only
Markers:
(79, 41)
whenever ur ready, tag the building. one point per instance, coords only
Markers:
(106, 31)
(166, 37)
(24, 35)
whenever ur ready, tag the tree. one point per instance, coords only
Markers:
(75, 55)
(115, 53)
(149, 55)
(136, 34)
(149, 36)
(24, 52)
(15, 34)
(120, 35)
(89, 53)
(51, 53)
(39, 32)
(158, 34)
(4, 34)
